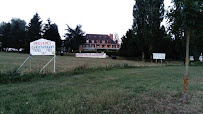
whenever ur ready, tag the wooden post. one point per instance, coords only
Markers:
(185, 97)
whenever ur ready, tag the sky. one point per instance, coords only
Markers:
(95, 16)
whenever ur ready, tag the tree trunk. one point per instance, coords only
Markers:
(143, 57)
(187, 60)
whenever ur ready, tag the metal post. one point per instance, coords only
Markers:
(23, 63)
(46, 65)
(54, 63)
(30, 63)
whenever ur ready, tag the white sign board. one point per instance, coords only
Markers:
(201, 57)
(159, 55)
(192, 58)
(91, 55)
(42, 47)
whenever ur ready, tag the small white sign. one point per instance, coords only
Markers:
(42, 47)
(159, 55)
(91, 55)
(192, 58)
(201, 58)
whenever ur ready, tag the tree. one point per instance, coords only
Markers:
(148, 15)
(34, 31)
(18, 28)
(129, 45)
(51, 33)
(185, 17)
(13, 33)
(5, 35)
(74, 38)
(116, 38)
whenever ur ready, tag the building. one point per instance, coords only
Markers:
(96, 42)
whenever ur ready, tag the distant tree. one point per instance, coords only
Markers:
(129, 45)
(185, 18)
(74, 38)
(34, 31)
(18, 31)
(12, 34)
(148, 15)
(51, 33)
(5, 35)
(116, 38)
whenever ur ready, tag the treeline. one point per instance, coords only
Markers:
(147, 36)
(17, 34)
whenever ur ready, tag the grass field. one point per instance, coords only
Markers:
(154, 89)
(63, 63)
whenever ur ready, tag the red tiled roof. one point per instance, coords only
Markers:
(99, 37)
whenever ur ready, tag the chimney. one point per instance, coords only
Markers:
(111, 36)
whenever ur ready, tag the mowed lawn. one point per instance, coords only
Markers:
(10, 61)
(132, 90)
(148, 89)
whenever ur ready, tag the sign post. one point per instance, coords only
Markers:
(42, 47)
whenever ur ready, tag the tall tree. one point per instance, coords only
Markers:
(129, 45)
(74, 38)
(185, 16)
(5, 35)
(51, 33)
(34, 31)
(13, 33)
(18, 30)
(148, 14)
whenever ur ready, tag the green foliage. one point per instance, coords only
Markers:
(146, 35)
(74, 38)
(129, 45)
(186, 15)
(51, 33)
(13, 34)
(34, 31)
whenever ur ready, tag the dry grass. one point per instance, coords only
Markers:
(63, 63)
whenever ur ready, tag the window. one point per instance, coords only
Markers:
(113, 46)
(87, 41)
(87, 45)
(92, 41)
(103, 41)
(108, 46)
(97, 46)
(102, 46)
